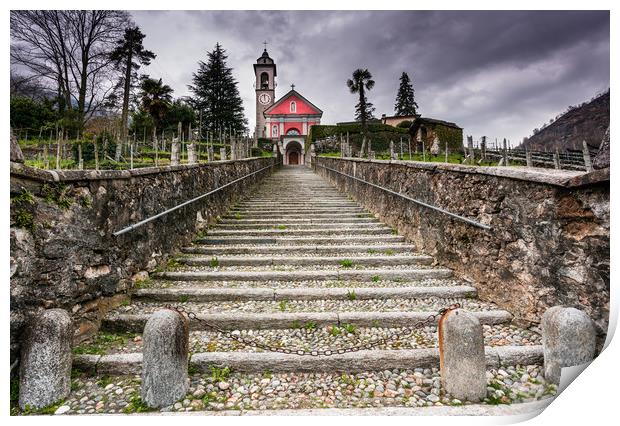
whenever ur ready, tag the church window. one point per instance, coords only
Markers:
(274, 130)
(264, 80)
(292, 132)
(293, 106)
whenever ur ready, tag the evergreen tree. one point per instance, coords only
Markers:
(361, 82)
(128, 55)
(405, 102)
(216, 94)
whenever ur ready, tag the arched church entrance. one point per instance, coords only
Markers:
(293, 158)
(293, 153)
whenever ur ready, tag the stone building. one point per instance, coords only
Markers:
(285, 121)
(434, 133)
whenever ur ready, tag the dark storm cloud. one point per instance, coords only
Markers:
(494, 73)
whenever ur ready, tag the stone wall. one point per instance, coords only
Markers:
(549, 242)
(63, 253)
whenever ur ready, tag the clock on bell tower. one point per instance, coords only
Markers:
(265, 71)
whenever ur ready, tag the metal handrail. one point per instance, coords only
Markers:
(418, 202)
(165, 212)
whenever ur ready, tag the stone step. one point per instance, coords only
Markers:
(261, 321)
(342, 249)
(303, 221)
(304, 214)
(304, 275)
(302, 240)
(293, 204)
(296, 210)
(376, 230)
(304, 226)
(268, 199)
(197, 294)
(285, 284)
(304, 261)
(355, 362)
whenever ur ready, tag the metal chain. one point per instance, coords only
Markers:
(393, 337)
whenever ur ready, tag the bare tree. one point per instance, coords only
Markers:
(70, 51)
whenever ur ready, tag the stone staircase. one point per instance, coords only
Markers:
(299, 265)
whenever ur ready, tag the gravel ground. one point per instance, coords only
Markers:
(284, 268)
(330, 337)
(339, 253)
(431, 282)
(224, 390)
(264, 306)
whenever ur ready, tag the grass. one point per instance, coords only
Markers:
(57, 193)
(214, 262)
(24, 196)
(238, 216)
(183, 298)
(376, 278)
(101, 343)
(24, 219)
(349, 328)
(145, 283)
(104, 381)
(310, 325)
(371, 251)
(389, 252)
(219, 374)
(282, 227)
(174, 263)
(283, 305)
(351, 295)
(334, 330)
(296, 325)
(346, 263)
(136, 405)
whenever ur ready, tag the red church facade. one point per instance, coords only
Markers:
(288, 121)
(285, 121)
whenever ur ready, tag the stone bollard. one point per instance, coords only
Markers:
(45, 370)
(174, 154)
(165, 359)
(461, 356)
(222, 153)
(569, 339)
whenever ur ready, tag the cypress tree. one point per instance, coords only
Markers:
(405, 102)
(216, 94)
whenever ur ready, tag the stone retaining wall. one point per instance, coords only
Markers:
(63, 253)
(549, 243)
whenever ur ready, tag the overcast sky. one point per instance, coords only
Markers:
(498, 74)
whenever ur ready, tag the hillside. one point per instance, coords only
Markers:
(586, 122)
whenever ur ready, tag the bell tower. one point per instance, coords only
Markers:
(265, 71)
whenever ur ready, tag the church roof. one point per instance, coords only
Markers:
(265, 61)
(292, 92)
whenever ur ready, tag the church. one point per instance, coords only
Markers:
(287, 120)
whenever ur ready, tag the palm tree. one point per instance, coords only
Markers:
(361, 82)
(155, 98)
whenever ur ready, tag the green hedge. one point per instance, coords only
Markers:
(379, 134)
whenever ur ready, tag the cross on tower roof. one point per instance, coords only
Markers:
(292, 87)
(265, 43)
